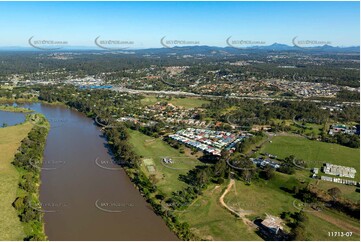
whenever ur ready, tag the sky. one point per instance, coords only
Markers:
(206, 23)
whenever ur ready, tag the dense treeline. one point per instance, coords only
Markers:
(246, 144)
(28, 160)
(312, 194)
(349, 140)
(251, 112)
(348, 96)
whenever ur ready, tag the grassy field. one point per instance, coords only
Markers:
(210, 221)
(255, 198)
(315, 152)
(267, 197)
(165, 176)
(183, 102)
(10, 138)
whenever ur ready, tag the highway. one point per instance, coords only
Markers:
(190, 94)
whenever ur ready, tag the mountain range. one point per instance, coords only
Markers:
(199, 49)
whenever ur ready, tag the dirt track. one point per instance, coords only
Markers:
(239, 214)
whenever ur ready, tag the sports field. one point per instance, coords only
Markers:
(165, 176)
(315, 152)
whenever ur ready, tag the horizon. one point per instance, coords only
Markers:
(95, 48)
(145, 25)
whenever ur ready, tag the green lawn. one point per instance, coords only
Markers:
(315, 152)
(166, 175)
(10, 138)
(184, 102)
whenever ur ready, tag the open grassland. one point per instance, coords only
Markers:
(10, 138)
(320, 223)
(165, 176)
(183, 102)
(210, 221)
(315, 152)
(256, 198)
(271, 197)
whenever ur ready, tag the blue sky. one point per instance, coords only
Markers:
(145, 23)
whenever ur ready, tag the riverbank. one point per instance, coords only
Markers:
(9, 101)
(8, 108)
(28, 162)
(18, 100)
(10, 140)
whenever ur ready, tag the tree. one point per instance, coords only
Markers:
(296, 189)
(298, 228)
(202, 177)
(267, 173)
(301, 217)
(220, 168)
(18, 203)
(298, 233)
(288, 166)
(334, 192)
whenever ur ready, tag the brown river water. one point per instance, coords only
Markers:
(83, 194)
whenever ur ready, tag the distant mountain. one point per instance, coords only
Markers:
(275, 47)
(339, 49)
(201, 49)
(233, 50)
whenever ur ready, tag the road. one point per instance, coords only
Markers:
(190, 94)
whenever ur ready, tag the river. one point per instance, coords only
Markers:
(83, 194)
